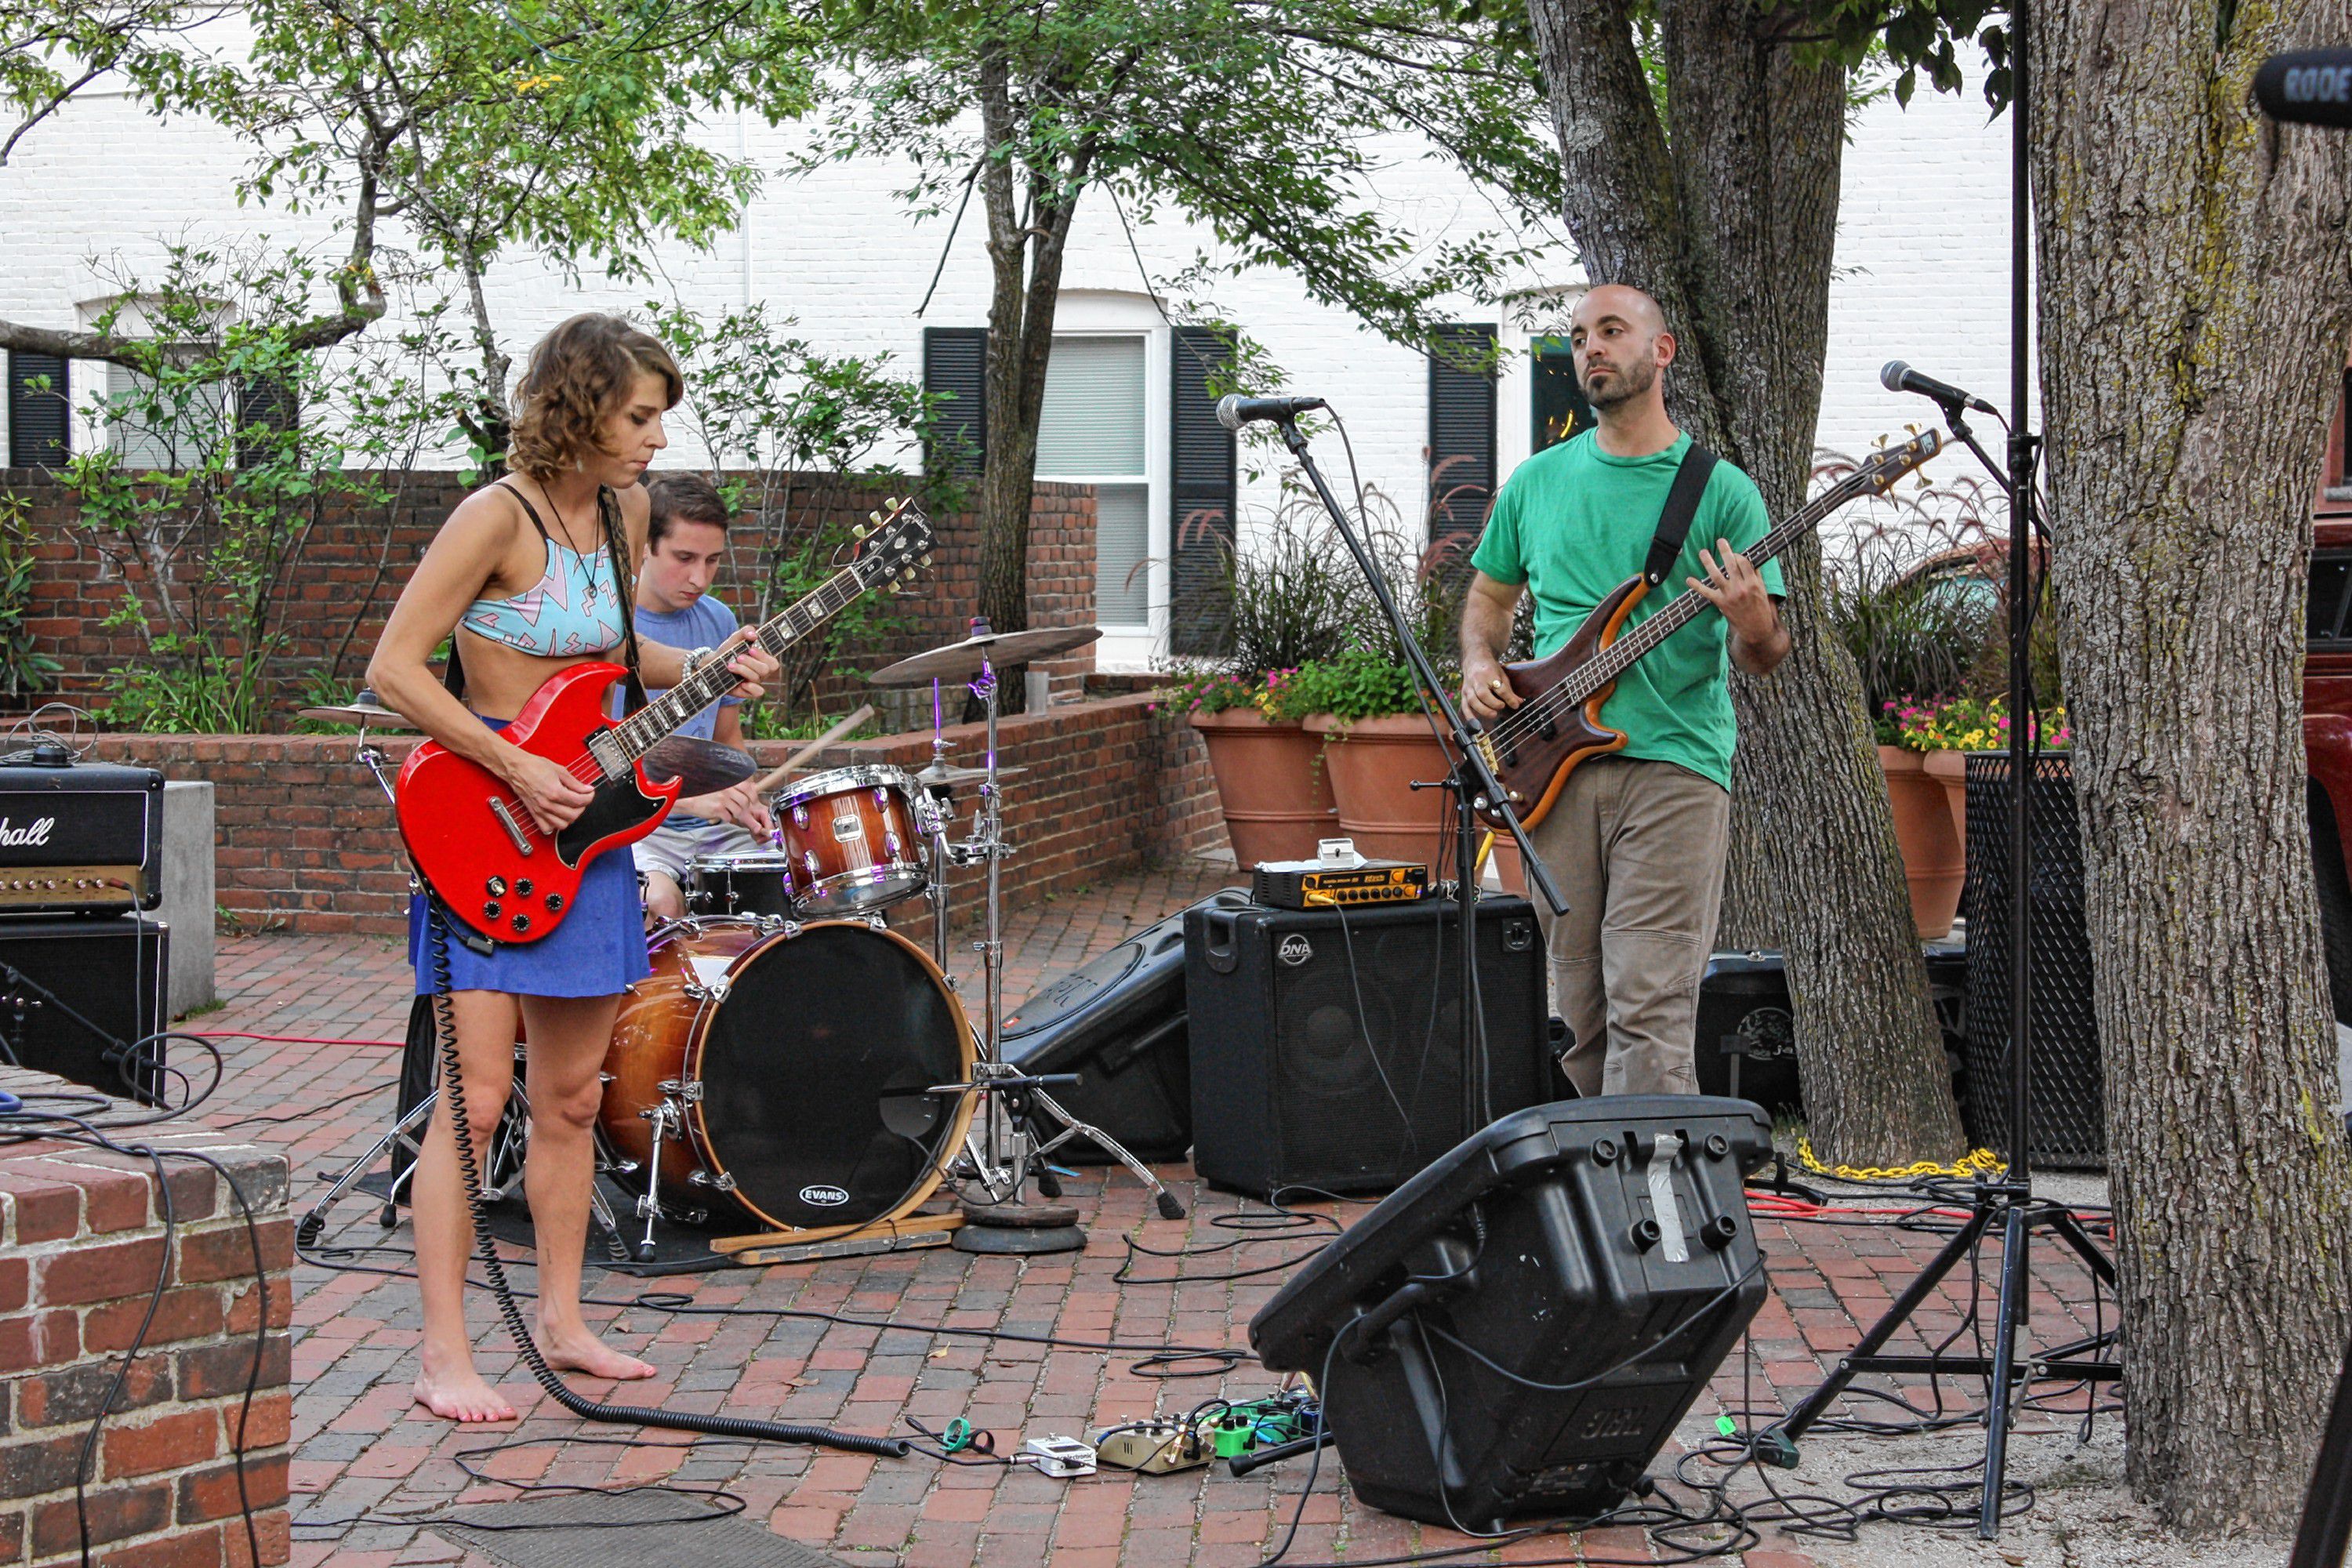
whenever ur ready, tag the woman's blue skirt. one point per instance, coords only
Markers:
(599, 948)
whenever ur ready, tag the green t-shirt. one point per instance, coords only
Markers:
(1571, 524)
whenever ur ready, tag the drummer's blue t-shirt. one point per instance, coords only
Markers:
(706, 623)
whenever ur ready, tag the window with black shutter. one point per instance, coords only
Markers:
(1556, 404)
(955, 364)
(1201, 510)
(39, 428)
(1461, 431)
(263, 403)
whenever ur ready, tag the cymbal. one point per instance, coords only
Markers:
(961, 661)
(702, 766)
(947, 774)
(364, 710)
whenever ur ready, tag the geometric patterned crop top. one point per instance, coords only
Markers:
(573, 608)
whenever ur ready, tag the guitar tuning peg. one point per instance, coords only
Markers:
(927, 558)
(860, 531)
(893, 502)
(874, 518)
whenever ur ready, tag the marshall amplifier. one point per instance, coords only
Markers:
(79, 838)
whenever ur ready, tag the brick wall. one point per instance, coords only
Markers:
(356, 562)
(82, 1241)
(306, 840)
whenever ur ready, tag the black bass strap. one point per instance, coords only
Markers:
(1682, 507)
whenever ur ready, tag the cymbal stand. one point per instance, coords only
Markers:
(1000, 1148)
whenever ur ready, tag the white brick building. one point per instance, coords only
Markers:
(1922, 275)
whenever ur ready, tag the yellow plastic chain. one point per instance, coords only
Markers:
(1976, 1162)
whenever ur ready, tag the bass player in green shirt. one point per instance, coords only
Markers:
(1637, 839)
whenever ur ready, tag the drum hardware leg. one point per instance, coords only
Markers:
(315, 1221)
(1170, 1207)
(664, 1116)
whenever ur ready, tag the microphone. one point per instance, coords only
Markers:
(1897, 376)
(2312, 87)
(1234, 410)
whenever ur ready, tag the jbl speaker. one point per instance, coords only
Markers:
(1327, 1044)
(75, 994)
(1119, 1023)
(1518, 1328)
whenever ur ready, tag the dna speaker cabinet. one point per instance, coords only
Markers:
(1598, 1249)
(1327, 1044)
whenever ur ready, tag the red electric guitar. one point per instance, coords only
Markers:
(470, 836)
(1534, 747)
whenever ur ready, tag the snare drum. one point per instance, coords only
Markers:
(851, 838)
(787, 1070)
(757, 883)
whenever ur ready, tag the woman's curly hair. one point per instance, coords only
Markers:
(576, 374)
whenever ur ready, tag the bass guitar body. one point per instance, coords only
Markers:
(1534, 746)
(475, 844)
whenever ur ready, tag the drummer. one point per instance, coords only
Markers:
(686, 543)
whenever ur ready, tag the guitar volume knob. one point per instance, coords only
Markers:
(522, 922)
(523, 886)
(555, 902)
(490, 910)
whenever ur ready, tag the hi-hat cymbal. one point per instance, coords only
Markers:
(961, 661)
(943, 774)
(702, 766)
(364, 710)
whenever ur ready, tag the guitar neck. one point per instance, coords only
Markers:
(1619, 655)
(657, 719)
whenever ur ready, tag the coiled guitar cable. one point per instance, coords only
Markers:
(445, 1025)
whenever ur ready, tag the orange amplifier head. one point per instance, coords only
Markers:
(1306, 884)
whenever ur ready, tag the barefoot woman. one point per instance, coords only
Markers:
(522, 577)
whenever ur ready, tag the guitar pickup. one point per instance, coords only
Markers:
(506, 817)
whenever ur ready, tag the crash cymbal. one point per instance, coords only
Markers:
(961, 661)
(946, 774)
(364, 710)
(702, 765)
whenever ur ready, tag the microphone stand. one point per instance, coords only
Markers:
(1472, 782)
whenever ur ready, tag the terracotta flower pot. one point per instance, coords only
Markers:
(1934, 858)
(1275, 798)
(1950, 769)
(1372, 763)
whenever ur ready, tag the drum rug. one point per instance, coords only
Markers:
(621, 1529)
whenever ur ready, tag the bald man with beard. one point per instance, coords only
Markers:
(1637, 839)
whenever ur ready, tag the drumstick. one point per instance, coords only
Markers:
(864, 711)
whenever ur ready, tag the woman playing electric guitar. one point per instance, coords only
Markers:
(522, 580)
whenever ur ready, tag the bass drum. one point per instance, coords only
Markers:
(793, 1063)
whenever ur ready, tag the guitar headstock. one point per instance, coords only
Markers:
(893, 545)
(1878, 475)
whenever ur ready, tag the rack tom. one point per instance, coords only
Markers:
(851, 837)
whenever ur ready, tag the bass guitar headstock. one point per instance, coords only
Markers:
(1878, 475)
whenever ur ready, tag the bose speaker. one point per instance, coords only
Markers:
(1518, 1329)
(1327, 1044)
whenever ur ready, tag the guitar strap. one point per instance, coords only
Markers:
(1682, 507)
(608, 518)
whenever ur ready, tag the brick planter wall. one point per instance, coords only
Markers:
(307, 841)
(81, 1240)
(357, 562)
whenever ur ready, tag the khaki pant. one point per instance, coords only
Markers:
(1637, 849)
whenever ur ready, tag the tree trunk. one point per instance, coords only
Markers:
(2194, 304)
(1732, 227)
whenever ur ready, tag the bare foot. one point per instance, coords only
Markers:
(578, 1349)
(461, 1396)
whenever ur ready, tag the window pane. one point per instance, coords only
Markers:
(2330, 574)
(177, 438)
(1093, 420)
(1122, 550)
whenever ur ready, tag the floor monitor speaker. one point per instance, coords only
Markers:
(76, 993)
(1327, 1043)
(1518, 1329)
(1120, 1024)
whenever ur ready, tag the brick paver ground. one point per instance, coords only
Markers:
(365, 1455)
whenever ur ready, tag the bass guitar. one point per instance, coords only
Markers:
(1533, 748)
(470, 836)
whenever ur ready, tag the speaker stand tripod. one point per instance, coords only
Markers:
(2009, 1203)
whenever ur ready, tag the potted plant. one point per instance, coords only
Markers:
(1376, 741)
(1942, 734)
(1287, 603)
